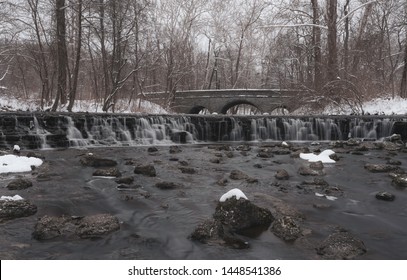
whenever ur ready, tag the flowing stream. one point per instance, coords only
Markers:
(156, 223)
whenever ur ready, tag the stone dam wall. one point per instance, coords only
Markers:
(63, 130)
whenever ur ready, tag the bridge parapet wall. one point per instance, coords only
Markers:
(219, 101)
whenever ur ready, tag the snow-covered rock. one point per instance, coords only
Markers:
(11, 198)
(323, 156)
(233, 193)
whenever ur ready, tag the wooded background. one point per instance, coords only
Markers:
(59, 51)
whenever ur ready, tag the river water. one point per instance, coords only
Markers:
(155, 223)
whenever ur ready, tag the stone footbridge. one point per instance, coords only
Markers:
(220, 101)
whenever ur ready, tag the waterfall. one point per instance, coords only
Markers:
(51, 130)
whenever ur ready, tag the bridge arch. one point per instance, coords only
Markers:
(237, 102)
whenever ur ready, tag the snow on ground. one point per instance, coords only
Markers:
(9, 103)
(377, 106)
(15, 164)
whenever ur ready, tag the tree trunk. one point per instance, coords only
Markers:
(346, 40)
(332, 37)
(403, 89)
(72, 94)
(61, 53)
(316, 38)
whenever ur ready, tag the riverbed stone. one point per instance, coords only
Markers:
(146, 170)
(286, 228)
(95, 161)
(187, 170)
(385, 196)
(341, 245)
(238, 175)
(110, 172)
(281, 151)
(97, 225)
(282, 174)
(400, 180)
(12, 209)
(125, 180)
(265, 153)
(307, 171)
(393, 162)
(152, 149)
(318, 165)
(19, 184)
(382, 168)
(352, 142)
(49, 227)
(175, 150)
(165, 185)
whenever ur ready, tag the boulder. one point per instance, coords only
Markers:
(341, 245)
(146, 170)
(111, 172)
(94, 161)
(232, 221)
(241, 214)
(12, 209)
(19, 184)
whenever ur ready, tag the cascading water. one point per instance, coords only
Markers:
(36, 131)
